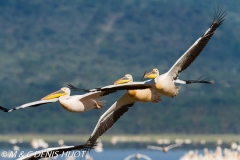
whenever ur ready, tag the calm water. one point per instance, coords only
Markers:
(120, 154)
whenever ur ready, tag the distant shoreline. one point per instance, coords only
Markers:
(111, 138)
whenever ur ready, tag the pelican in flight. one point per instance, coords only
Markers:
(166, 86)
(121, 106)
(142, 95)
(76, 103)
(164, 83)
(165, 149)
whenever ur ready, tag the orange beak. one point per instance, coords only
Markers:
(122, 80)
(151, 75)
(53, 95)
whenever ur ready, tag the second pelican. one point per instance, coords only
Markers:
(164, 83)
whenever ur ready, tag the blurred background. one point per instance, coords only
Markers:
(46, 44)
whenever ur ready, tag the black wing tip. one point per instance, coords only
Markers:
(200, 80)
(4, 109)
(219, 15)
(206, 80)
(73, 88)
(143, 76)
(89, 146)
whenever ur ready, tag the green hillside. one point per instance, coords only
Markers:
(46, 44)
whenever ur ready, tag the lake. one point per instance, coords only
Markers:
(120, 154)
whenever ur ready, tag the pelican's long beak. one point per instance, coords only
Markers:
(122, 80)
(54, 95)
(151, 75)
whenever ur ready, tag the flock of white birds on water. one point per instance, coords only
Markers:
(150, 90)
(232, 152)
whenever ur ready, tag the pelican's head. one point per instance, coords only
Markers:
(62, 92)
(126, 79)
(153, 74)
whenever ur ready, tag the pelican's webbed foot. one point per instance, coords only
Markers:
(176, 90)
(99, 104)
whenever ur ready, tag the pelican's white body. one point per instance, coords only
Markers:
(165, 85)
(76, 103)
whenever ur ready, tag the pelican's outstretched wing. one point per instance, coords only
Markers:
(114, 88)
(106, 123)
(189, 56)
(173, 146)
(107, 120)
(32, 104)
(155, 147)
(53, 152)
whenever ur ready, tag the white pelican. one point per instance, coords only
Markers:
(142, 95)
(166, 86)
(164, 83)
(78, 103)
(107, 120)
(165, 148)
